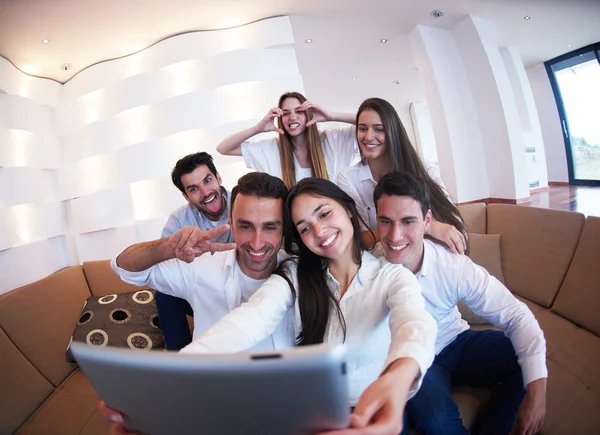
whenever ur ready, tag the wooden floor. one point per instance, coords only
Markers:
(585, 200)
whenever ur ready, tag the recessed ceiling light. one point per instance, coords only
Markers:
(45, 41)
(383, 41)
(308, 41)
(353, 78)
(527, 17)
(335, 101)
(570, 45)
(438, 13)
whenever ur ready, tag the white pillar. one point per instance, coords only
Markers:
(476, 116)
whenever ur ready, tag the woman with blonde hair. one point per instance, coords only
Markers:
(301, 150)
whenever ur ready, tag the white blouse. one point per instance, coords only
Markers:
(339, 148)
(383, 309)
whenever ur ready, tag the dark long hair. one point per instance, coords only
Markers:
(315, 300)
(286, 147)
(404, 157)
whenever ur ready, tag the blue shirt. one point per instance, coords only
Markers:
(189, 215)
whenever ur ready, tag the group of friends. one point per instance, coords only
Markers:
(312, 248)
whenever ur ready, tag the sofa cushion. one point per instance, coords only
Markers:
(64, 413)
(485, 251)
(39, 318)
(102, 280)
(78, 383)
(23, 388)
(122, 320)
(579, 297)
(537, 247)
(573, 358)
(474, 216)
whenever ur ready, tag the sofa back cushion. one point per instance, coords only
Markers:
(579, 297)
(475, 217)
(103, 281)
(23, 388)
(39, 319)
(537, 248)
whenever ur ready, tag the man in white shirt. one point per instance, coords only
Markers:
(215, 285)
(196, 176)
(466, 357)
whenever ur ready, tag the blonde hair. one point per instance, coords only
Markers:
(286, 148)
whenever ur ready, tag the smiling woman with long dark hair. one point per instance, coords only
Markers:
(340, 294)
(385, 147)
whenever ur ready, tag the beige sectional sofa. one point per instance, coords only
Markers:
(548, 261)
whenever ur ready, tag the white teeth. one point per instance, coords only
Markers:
(398, 248)
(294, 125)
(257, 254)
(210, 199)
(328, 241)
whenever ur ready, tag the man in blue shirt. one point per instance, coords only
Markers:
(207, 207)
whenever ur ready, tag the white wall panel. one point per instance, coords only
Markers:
(31, 223)
(154, 199)
(22, 148)
(14, 82)
(29, 263)
(102, 245)
(27, 186)
(149, 230)
(263, 34)
(24, 114)
(99, 211)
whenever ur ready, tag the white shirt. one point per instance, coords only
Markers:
(339, 148)
(358, 182)
(213, 286)
(446, 278)
(383, 309)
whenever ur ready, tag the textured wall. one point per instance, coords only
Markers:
(86, 165)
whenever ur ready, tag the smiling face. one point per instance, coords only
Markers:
(293, 120)
(401, 228)
(203, 191)
(370, 135)
(257, 226)
(324, 226)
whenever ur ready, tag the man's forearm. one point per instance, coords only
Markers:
(142, 256)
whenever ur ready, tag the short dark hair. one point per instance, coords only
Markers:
(402, 183)
(259, 184)
(188, 164)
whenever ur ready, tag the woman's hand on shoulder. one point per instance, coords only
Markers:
(268, 122)
(454, 239)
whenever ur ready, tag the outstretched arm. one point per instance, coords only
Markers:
(185, 244)
(232, 145)
(248, 324)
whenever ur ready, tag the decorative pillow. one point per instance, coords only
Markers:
(122, 320)
(484, 251)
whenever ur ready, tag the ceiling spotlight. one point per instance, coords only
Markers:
(570, 45)
(45, 41)
(527, 17)
(353, 78)
(335, 101)
(308, 41)
(383, 41)
(438, 13)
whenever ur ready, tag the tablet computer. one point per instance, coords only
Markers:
(296, 391)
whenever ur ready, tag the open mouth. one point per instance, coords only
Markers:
(396, 249)
(371, 145)
(212, 203)
(256, 255)
(293, 125)
(328, 242)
